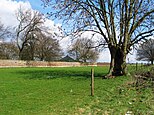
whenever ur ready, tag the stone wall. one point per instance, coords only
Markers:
(103, 64)
(19, 63)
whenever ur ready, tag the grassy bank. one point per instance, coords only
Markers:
(60, 91)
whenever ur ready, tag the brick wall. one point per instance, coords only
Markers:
(19, 63)
(103, 64)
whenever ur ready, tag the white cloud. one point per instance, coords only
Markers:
(52, 27)
(8, 9)
(104, 56)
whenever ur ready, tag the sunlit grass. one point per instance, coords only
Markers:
(66, 91)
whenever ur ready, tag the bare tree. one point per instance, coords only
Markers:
(82, 50)
(121, 23)
(145, 52)
(47, 48)
(4, 31)
(29, 22)
(28, 52)
(8, 50)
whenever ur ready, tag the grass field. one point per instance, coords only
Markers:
(66, 91)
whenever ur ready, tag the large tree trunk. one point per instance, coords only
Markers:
(118, 62)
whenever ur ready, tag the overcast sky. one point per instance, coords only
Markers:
(7, 17)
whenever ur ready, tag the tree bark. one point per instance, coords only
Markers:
(118, 69)
(20, 55)
(118, 62)
(151, 62)
(112, 54)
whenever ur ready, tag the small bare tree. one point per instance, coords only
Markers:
(8, 50)
(4, 31)
(82, 50)
(145, 52)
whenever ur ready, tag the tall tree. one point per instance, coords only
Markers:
(122, 23)
(82, 50)
(145, 52)
(28, 51)
(29, 23)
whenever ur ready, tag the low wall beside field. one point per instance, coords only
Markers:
(20, 63)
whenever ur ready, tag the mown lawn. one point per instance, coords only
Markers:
(66, 91)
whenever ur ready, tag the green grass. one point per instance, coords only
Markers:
(66, 91)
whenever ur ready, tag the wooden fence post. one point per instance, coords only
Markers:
(92, 82)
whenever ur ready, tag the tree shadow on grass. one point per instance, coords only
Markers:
(52, 74)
